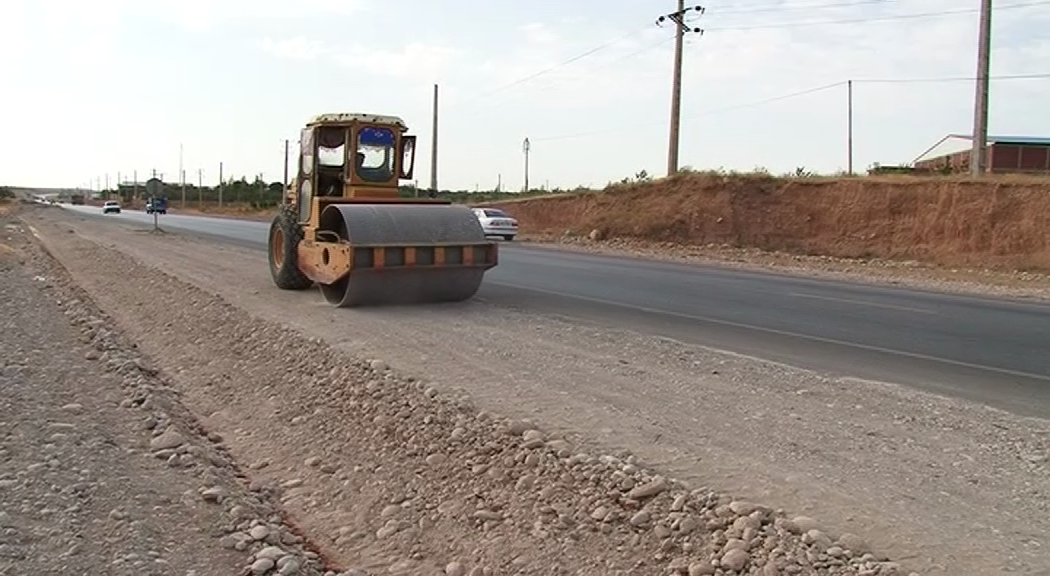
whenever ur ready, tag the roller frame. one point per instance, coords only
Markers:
(340, 263)
(453, 270)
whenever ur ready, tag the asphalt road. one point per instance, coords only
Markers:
(993, 351)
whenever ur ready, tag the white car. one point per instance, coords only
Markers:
(111, 206)
(496, 222)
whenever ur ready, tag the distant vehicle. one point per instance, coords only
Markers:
(111, 206)
(76, 199)
(496, 222)
(158, 205)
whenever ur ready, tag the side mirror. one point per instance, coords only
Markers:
(408, 156)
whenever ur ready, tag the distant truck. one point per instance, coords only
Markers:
(158, 205)
(76, 199)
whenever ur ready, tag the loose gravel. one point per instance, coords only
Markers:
(102, 469)
(395, 475)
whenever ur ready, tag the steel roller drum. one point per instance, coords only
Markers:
(402, 224)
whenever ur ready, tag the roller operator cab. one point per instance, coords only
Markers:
(344, 226)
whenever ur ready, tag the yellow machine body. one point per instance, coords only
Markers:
(344, 226)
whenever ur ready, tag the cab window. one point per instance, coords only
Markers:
(375, 153)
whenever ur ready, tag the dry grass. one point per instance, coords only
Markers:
(245, 210)
(998, 223)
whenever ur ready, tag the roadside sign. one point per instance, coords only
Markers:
(154, 187)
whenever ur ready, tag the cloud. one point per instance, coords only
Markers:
(297, 48)
(198, 15)
(415, 61)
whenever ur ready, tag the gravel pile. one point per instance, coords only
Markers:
(102, 469)
(406, 477)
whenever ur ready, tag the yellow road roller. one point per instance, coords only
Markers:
(344, 226)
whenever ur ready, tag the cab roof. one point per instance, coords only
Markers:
(348, 117)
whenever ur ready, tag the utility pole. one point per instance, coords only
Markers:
(525, 146)
(135, 184)
(678, 17)
(849, 127)
(979, 153)
(434, 147)
(200, 188)
(182, 177)
(284, 189)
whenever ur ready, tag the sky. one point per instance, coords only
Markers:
(93, 90)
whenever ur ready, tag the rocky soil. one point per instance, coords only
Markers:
(393, 474)
(102, 469)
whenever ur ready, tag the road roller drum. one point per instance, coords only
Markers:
(405, 253)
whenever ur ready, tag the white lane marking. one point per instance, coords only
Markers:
(863, 303)
(868, 347)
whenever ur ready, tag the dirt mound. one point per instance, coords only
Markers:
(1000, 223)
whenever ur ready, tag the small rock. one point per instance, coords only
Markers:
(734, 559)
(214, 494)
(271, 552)
(288, 566)
(640, 519)
(853, 543)
(818, 539)
(74, 408)
(293, 483)
(679, 503)
(259, 532)
(167, 440)
(805, 523)
(701, 569)
(262, 566)
(313, 461)
(436, 459)
(743, 508)
(487, 515)
(455, 569)
(649, 489)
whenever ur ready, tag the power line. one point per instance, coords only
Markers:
(563, 63)
(790, 95)
(952, 79)
(873, 18)
(767, 8)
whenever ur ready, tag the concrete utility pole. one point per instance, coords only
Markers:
(200, 188)
(525, 147)
(678, 17)
(434, 146)
(979, 153)
(284, 189)
(182, 177)
(849, 127)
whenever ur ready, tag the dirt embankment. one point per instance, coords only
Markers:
(1000, 223)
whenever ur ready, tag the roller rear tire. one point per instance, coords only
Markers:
(285, 234)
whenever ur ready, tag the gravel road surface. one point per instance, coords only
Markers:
(939, 485)
(102, 470)
(981, 349)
